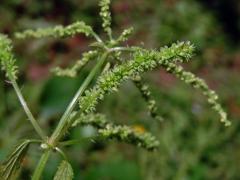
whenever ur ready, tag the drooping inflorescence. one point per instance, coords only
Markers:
(146, 94)
(7, 59)
(129, 135)
(118, 132)
(138, 82)
(142, 61)
(57, 32)
(198, 83)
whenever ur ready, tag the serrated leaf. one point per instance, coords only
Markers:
(64, 172)
(10, 169)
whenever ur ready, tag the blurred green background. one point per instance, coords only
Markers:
(194, 145)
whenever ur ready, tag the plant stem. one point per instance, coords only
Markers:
(27, 110)
(77, 141)
(97, 37)
(130, 49)
(61, 153)
(64, 120)
(41, 165)
(3, 95)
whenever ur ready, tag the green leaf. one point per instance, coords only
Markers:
(10, 169)
(64, 172)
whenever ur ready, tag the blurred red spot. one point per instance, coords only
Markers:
(37, 71)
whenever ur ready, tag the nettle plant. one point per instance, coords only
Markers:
(110, 70)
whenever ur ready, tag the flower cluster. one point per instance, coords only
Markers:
(128, 134)
(58, 31)
(121, 133)
(125, 35)
(143, 60)
(7, 60)
(198, 83)
(105, 15)
(146, 60)
(72, 72)
(146, 94)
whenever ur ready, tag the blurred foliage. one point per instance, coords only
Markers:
(193, 144)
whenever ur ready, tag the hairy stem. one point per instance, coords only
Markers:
(59, 131)
(41, 165)
(130, 49)
(35, 124)
(77, 141)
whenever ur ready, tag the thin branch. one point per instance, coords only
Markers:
(59, 131)
(41, 165)
(35, 124)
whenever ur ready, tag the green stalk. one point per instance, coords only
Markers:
(130, 49)
(41, 165)
(97, 37)
(77, 141)
(4, 97)
(27, 110)
(60, 129)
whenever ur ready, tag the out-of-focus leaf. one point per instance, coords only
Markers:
(54, 101)
(64, 172)
(116, 168)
